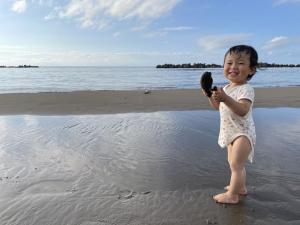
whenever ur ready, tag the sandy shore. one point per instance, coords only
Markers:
(103, 102)
(157, 168)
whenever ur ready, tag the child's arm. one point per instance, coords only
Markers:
(213, 103)
(240, 107)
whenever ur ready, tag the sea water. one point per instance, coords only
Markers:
(66, 79)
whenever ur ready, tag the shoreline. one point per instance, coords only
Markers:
(126, 101)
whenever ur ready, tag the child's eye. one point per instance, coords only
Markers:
(241, 63)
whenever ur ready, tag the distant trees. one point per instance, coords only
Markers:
(263, 64)
(189, 65)
(19, 66)
(204, 65)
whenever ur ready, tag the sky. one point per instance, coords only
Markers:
(145, 32)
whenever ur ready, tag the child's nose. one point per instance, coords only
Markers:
(234, 65)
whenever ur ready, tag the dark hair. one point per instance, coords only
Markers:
(238, 49)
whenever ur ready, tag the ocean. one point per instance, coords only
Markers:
(67, 79)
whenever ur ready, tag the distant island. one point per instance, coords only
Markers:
(20, 66)
(204, 65)
(189, 65)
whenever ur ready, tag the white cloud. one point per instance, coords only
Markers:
(91, 13)
(116, 34)
(154, 34)
(161, 32)
(12, 55)
(218, 42)
(281, 2)
(44, 2)
(52, 15)
(142, 9)
(276, 42)
(140, 27)
(19, 6)
(180, 28)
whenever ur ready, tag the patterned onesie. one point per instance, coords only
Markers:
(232, 125)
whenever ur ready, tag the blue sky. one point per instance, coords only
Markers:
(145, 32)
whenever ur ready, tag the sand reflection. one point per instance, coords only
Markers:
(143, 168)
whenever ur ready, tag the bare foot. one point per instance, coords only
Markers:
(226, 198)
(241, 192)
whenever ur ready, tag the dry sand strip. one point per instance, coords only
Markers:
(106, 102)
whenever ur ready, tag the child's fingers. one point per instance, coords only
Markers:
(215, 95)
(219, 95)
(204, 92)
(221, 90)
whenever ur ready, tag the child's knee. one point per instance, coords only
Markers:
(236, 166)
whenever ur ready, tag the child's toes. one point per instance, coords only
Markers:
(226, 198)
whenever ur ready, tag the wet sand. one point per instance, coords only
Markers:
(103, 102)
(143, 169)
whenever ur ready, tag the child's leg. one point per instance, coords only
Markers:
(240, 151)
(229, 153)
(243, 190)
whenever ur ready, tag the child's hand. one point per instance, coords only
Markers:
(219, 95)
(204, 92)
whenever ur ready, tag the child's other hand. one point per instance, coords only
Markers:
(219, 95)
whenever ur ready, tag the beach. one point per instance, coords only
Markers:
(111, 101)
(142, 158)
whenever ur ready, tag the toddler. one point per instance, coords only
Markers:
(237, 130)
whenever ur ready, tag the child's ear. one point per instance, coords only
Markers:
(253, 70)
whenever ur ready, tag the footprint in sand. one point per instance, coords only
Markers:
(128, 194)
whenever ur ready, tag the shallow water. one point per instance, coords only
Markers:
(143, 168)
(66, 79)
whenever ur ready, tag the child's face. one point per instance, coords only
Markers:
(237, 67)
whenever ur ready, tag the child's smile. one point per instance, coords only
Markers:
(233, 73)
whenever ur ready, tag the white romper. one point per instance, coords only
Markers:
(233, 125)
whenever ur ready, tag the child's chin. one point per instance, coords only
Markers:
(233, 75)
(233, 78)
